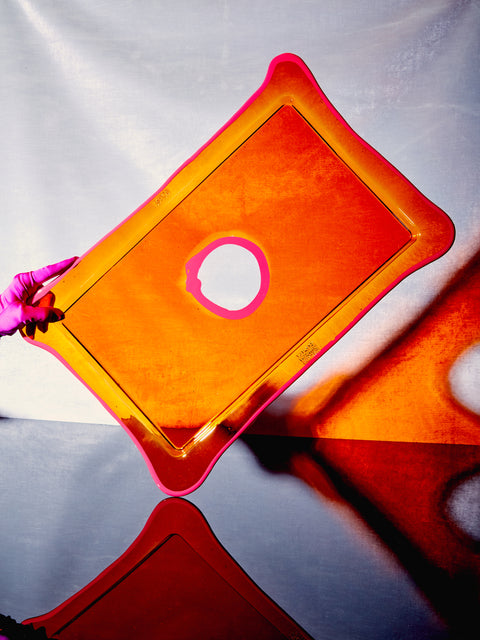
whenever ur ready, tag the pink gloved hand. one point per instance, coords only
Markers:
(16, 309)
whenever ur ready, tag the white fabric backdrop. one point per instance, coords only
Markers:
(101, 102)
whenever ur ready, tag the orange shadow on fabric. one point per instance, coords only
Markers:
(395, 445)
(404, 394)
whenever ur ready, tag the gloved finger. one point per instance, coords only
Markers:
(37, 321)
(39, 276)
(17, 315)
(40, 314)
(48, 300)
(25, 285)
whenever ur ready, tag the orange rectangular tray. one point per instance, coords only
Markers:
(332, 225)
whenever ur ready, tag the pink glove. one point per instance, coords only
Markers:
(16, 310)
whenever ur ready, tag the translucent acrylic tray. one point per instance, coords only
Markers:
(332, 227)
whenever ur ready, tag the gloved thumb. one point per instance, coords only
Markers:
(40, 317)
(18, 314)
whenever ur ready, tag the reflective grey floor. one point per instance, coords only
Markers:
(74, 496)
